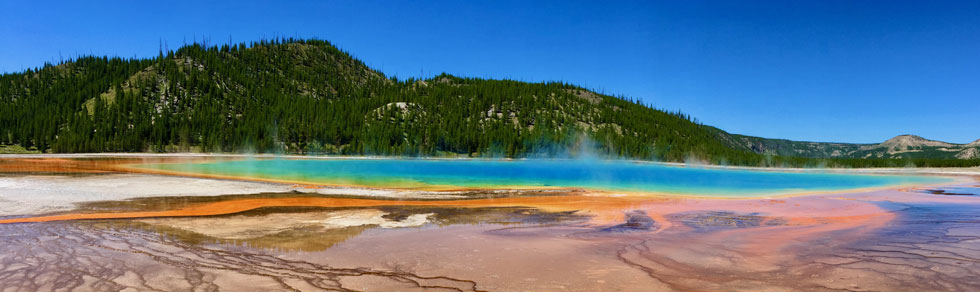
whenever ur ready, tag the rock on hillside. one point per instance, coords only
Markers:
(969, 153)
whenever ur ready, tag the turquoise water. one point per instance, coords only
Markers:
(598, 175)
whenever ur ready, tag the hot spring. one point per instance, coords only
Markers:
(616, 176)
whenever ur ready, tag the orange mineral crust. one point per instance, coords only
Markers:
(604, 209)
(50, 165)
(84, 165)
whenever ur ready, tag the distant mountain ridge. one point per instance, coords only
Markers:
(899, 147)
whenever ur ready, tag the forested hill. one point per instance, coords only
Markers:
(308, 97)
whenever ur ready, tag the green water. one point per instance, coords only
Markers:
(597, 175)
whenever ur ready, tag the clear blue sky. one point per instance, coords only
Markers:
(847, 71)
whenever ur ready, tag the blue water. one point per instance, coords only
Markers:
(598, 175)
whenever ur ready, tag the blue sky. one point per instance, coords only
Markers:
(846, 71)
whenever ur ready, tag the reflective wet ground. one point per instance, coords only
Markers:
(234, 253)
(886, 240)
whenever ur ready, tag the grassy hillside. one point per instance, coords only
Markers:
(308, 97)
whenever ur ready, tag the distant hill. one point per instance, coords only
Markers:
(900, 147)
(309, 97)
